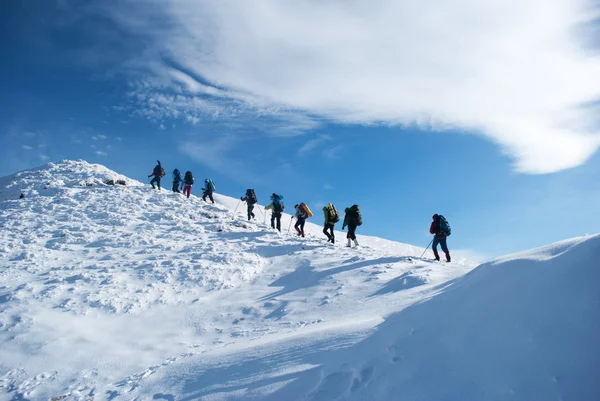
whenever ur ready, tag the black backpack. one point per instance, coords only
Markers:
(251, 197)
(189, 178)
(356, 217)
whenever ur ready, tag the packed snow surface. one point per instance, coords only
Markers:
(119, 292)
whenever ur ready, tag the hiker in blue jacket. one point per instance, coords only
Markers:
(277, 208)
(209, 188)
(177, 179)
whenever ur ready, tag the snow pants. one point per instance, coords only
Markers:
(250, 211)
(176, 186)
(209, 194)
(187, 190)
(276, 216)
(351, 231)
(328, 231)
(299, 226)
(440, 240)
(155, 180)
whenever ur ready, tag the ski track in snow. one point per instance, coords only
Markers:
(122, 292)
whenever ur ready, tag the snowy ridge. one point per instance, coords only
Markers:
(47, 179)
(125, 293)
(111, 284)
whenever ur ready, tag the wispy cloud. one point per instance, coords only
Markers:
(100, 153)
(313, 144)
(520, 77)
(27, 147)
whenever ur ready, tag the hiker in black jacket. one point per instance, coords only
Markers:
(158, 173)
(250, 200)
(352, 219)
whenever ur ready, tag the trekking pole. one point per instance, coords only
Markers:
(260, 211)
(290, 226)
(238, 205)
(430, 242)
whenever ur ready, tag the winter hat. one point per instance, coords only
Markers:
(435, 216)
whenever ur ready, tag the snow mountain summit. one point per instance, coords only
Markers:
(112, 291)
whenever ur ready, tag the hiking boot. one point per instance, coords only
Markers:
(355, 243)
(349, 243)
(448, 259)
(332, 240)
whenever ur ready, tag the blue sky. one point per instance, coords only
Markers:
(324, 102)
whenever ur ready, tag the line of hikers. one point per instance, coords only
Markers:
(440, 227)
(182, 184)
(352, 219)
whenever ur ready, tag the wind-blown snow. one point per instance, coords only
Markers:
(122, 292)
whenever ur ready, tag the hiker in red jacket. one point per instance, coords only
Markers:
(441, 229)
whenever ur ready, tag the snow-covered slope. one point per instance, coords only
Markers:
(104, 289)
(123, 293)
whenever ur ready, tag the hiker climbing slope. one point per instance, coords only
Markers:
(441, 230)
(331, 216)
(353, 219)
(209, 188)
(277, 208)
(302, 213)
(188, 181)
(177, 180)
(157, 173)
(250, 200)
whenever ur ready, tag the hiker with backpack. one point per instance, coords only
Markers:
(188, 181)
(440, 228)
(157, 173)
(277, 208)
(250, 200)
(209, 188)
(352, 219)
(331, 217)
(177, 180)
(301, 216)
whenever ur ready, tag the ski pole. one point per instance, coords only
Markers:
(430, 242)
(238, 205)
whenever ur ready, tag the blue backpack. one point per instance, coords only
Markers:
(445, 226)
(210, 185)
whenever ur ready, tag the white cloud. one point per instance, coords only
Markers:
(100, 153)
(27, 147)
(313, 144)
(515, 72)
